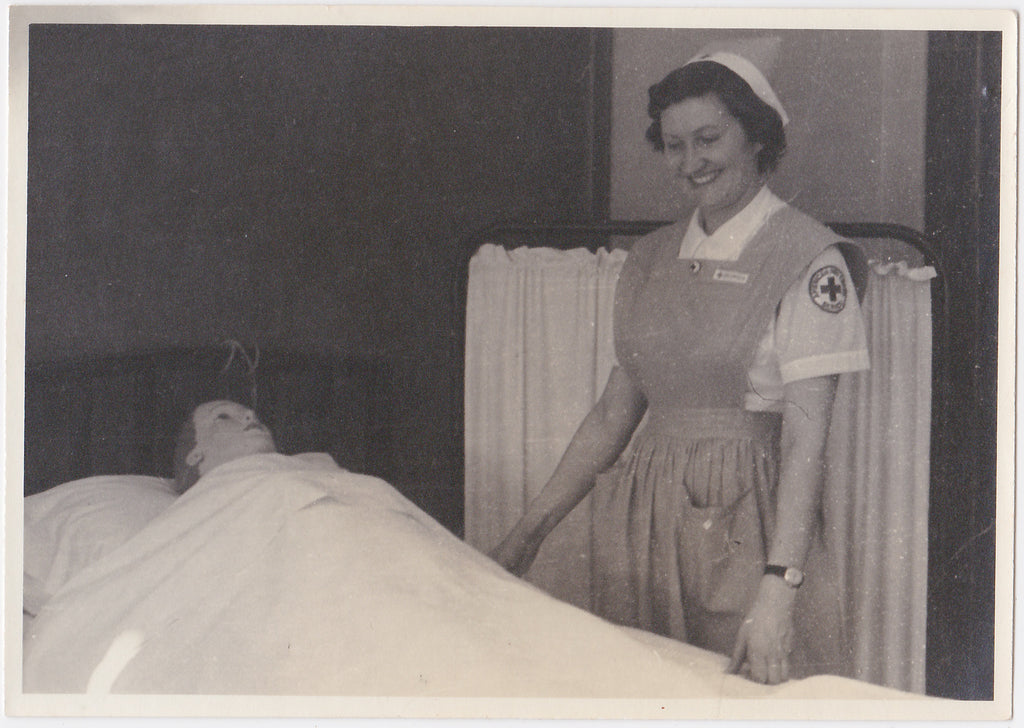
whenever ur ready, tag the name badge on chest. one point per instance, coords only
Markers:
(730, 276)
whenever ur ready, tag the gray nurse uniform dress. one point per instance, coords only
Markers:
(680, 533)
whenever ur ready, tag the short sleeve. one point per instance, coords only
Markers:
(819, 329)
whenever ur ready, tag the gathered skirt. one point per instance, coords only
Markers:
(680, 533)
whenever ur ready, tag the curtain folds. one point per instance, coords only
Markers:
(538, 352)
(876, 492)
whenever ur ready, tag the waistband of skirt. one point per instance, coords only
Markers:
(737, 424)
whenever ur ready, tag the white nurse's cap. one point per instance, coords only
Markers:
(753, 60)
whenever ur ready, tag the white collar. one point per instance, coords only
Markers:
(728, 241)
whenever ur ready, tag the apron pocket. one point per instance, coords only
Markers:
(721, 555)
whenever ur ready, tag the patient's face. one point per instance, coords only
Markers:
(226, 431)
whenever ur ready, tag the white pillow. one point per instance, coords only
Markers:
(72, 525)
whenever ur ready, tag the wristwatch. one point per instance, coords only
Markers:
(792, 576)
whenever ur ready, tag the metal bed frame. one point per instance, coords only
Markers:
(594, 235)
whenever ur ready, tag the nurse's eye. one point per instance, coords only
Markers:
(706, 141)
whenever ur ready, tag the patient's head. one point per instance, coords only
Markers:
(215, 433)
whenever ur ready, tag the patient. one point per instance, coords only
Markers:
(215, 433)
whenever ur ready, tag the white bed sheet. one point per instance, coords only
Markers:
(279, 575)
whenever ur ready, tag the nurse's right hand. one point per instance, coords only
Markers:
(515, 553)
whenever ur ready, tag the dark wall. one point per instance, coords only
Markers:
(962, 213)
(294, 186)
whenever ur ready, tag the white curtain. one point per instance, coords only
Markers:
(538, 351)
(876, 497)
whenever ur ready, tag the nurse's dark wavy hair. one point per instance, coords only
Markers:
(760, 122)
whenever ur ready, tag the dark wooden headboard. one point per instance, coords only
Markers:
(121, 414)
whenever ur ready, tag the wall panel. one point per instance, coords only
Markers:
(301, 187)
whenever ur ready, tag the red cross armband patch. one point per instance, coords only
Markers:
(828, 289)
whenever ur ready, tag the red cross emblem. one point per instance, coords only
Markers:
(828, 289)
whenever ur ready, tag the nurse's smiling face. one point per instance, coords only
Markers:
(225, 431)
(709, 153)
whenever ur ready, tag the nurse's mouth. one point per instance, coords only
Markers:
(705, 178)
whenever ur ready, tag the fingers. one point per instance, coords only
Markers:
(768, 670)
(760, 657)
(778, 671)
(739, 652)
(758, 667)
(768, 666)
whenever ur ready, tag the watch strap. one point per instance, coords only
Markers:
(792, 576)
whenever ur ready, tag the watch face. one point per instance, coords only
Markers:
(794, 577)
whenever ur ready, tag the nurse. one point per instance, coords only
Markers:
(731, 327)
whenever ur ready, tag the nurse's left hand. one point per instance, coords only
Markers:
(765, 638)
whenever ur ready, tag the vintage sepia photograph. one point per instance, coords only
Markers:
(413, 362)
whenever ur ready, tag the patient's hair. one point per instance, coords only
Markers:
(185, 475)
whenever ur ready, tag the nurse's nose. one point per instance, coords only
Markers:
(691, 163)
(682, 162)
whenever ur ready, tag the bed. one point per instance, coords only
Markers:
(299, 575)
